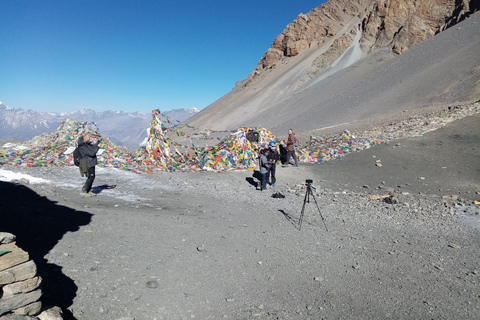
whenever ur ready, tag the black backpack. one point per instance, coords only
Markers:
(76, 156)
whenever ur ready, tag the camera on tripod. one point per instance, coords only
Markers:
(309, 182)
(309, 193)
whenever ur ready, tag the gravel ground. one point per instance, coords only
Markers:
(209, 246)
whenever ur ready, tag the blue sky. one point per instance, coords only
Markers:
(133, 55)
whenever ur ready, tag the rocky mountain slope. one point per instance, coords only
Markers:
(350, 60)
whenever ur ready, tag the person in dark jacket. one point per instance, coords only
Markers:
(273, 156)
(265, 166)
(283, 152)
(88, 152)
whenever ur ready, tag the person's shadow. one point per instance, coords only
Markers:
(39, 224)
(256, 175)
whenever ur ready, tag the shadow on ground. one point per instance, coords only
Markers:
(293, 220)
(255, 179)
(99, 189)
(252, 181)
(39, 224)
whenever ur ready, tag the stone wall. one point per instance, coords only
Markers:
(20, 286)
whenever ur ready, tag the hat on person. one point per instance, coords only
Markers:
(272, 144)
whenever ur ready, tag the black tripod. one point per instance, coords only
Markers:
(307, 200)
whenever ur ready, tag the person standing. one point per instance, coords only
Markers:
(292, 142)
(283, 152)
(88, 152)
(265, 166)
(273, 156)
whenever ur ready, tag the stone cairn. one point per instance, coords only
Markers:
(20, 289)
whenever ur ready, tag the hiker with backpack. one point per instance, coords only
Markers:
(88, 161)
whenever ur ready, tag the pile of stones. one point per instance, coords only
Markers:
(20, 286)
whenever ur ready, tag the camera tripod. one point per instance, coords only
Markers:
(307, 200)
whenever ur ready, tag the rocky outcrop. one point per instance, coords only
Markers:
(308, 30)
(399, 25)
(385, 24)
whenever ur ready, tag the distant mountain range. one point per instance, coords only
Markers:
(123, 128)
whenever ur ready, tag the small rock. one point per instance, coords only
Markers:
(366, 186)
(378, 164)
(387, 189)
(54, 313)
(152, 284)
(103, 310)
(356, 266)
(229, 299)
(454, 246)
(201, 249)
(6, 237)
